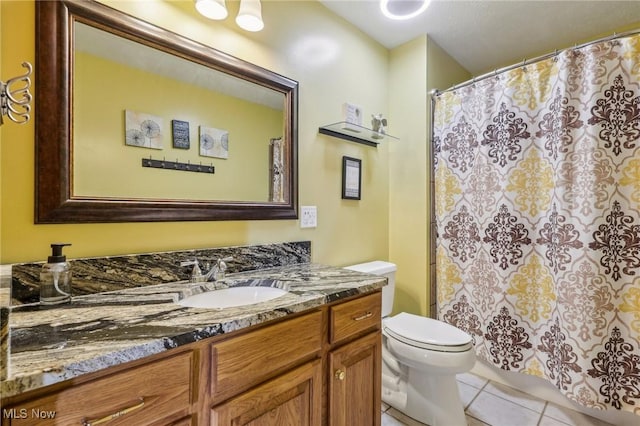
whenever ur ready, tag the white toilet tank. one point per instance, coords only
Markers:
(387, 269)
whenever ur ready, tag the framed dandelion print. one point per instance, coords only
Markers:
(143, 130)
(214, 142)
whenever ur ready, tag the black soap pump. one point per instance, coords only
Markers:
(55, 277)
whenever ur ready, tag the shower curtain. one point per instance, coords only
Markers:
(537, 204)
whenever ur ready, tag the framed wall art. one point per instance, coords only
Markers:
(214, 142)
(180, 130)
(143, 130)
(351, 178)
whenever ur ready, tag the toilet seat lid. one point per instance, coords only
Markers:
(427, 333)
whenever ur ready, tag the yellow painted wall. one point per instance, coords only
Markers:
(99, 134)
(407, 177)
(415, 68)
(333, 62)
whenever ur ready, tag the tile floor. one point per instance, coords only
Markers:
(491, 404)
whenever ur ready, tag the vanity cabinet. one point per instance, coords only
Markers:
(354, 368)
(159, 392)
(319, 367)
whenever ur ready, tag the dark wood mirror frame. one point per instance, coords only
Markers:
(54, 200)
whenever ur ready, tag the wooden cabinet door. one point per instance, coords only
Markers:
(354, 383)
(294, 398)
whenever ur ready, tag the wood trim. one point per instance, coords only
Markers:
(54, 201)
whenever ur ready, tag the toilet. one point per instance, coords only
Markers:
(420, 359)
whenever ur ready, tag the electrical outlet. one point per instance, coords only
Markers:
(308, 216)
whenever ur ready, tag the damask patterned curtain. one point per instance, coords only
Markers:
(538, 217)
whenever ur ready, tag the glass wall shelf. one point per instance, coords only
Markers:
(355, 133)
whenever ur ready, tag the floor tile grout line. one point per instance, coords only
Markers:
(472, 399)
(485, 384)
(544, 409)
(551, 417)
(542, 413)
(486, 381)
(513, 402)
(477, 419)
(517, 403)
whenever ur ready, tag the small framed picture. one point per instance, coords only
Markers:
(180, 131)
(352, 117)
(351, 178)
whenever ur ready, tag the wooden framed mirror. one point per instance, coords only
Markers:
(89, 169)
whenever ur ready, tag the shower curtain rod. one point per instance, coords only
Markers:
(614, 36)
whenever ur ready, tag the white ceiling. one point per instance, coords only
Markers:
(136, 55)
(483, 35)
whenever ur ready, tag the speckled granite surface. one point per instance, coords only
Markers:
(102, 330)
(5, 282)
(97, 275)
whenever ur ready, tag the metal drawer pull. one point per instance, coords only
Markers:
(340, 374)
(114, 415)
(365, 316)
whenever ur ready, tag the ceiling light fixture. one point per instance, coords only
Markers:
(403, 9)
(212, 9)
(250, 15)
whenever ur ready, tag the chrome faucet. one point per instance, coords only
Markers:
(217, 272)
(196, 273)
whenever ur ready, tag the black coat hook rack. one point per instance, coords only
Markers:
(177, 165)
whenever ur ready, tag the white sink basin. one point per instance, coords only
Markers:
(230, 297)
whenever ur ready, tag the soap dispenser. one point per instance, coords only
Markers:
(55, 277)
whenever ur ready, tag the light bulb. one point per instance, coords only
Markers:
(250, 15)
(212, 9)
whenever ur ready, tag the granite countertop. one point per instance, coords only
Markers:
(50, 345)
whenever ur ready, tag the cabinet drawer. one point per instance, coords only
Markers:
(356, 316)
(139, 396)
(249, 359)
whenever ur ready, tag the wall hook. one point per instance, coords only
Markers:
(15, 97)
(177, 165)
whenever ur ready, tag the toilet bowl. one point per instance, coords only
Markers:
(421, 357)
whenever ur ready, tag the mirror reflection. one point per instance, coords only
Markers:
(132, 102)
(136, 124)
